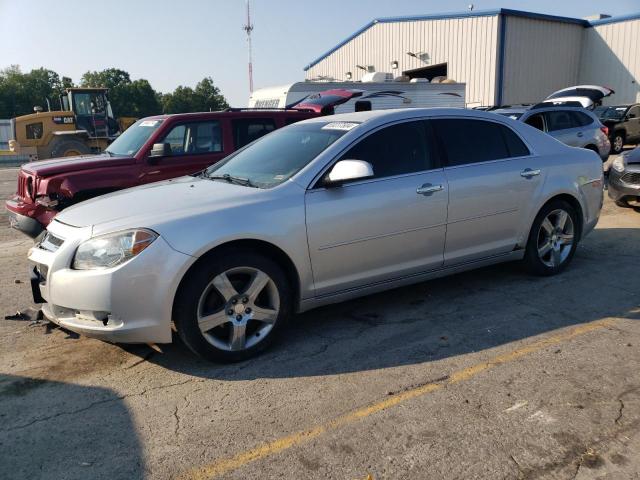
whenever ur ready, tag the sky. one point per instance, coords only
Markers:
(173, 43)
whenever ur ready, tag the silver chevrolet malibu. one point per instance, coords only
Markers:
(321, 211)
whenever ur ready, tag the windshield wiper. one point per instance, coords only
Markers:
(231, 179)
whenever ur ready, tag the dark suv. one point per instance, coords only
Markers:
(623, 122)
(152, 149)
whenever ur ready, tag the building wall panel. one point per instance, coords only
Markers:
(467, 45)
(611, 57)
(540, 57)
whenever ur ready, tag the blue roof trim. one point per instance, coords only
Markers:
(341, 44)
(621, 18)
(544, 16)
(478, 13)
(503, 48)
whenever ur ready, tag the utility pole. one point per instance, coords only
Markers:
(248, 28)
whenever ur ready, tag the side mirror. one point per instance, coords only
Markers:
(348, 170)
(160, 150)
(632, 115)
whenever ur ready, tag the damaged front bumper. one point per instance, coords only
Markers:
(29, 218)
(130, 303)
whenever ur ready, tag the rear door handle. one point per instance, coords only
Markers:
(528, 173)
(428, 189)
(580, 134)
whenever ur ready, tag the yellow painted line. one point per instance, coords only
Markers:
(226, 465)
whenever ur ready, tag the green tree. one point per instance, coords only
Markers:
(204, 98)
(144, 100)
(20, 92)
(209, 96)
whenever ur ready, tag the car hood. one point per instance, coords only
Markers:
(632, 157)
(157, 203)
(56, 166)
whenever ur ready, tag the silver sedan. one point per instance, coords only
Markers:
(315, 213)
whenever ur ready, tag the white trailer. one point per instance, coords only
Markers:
(379, 95)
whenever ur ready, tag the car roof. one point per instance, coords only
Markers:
(553, 108)
(618, 105)
(232, 113)
(402, 113)
(510, 110)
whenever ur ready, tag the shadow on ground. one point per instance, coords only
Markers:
(89, 432)
(442, 318)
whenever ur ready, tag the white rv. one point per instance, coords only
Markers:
(375, 95)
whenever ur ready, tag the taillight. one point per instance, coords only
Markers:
(605, 130)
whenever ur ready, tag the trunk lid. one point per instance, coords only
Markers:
(587, 95)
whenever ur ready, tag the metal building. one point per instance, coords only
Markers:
(504, 56)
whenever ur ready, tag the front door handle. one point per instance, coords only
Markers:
(528, 173)
(580, 134)
(428, 189)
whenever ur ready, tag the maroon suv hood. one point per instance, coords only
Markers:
(56, 166)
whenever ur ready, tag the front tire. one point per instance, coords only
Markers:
(232, 307)
(622, 203)
(553, 239)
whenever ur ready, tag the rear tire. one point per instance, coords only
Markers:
(553, 239)
(232, 307)
(617, 143)
(622, 204)
(66, 147)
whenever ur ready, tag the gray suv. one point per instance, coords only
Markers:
(573, 126)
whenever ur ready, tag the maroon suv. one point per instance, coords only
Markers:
(153, 149)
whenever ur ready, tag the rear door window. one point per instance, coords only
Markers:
(466, 141)
(515, 145)
(560, 120)
(582, 119)
(247, 130)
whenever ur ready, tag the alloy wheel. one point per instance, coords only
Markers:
(555, 238)
(238, 308)
(618, 144)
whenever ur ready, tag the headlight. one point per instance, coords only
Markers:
(618, 164)
(107, 251)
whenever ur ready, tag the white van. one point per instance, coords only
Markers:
(375, 96)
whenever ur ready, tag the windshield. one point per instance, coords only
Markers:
(132, 139)
(278, 156)
(610, 113)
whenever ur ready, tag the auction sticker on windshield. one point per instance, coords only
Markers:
(149, 123)
(346, 126)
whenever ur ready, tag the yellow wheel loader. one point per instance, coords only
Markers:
(84, 124)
